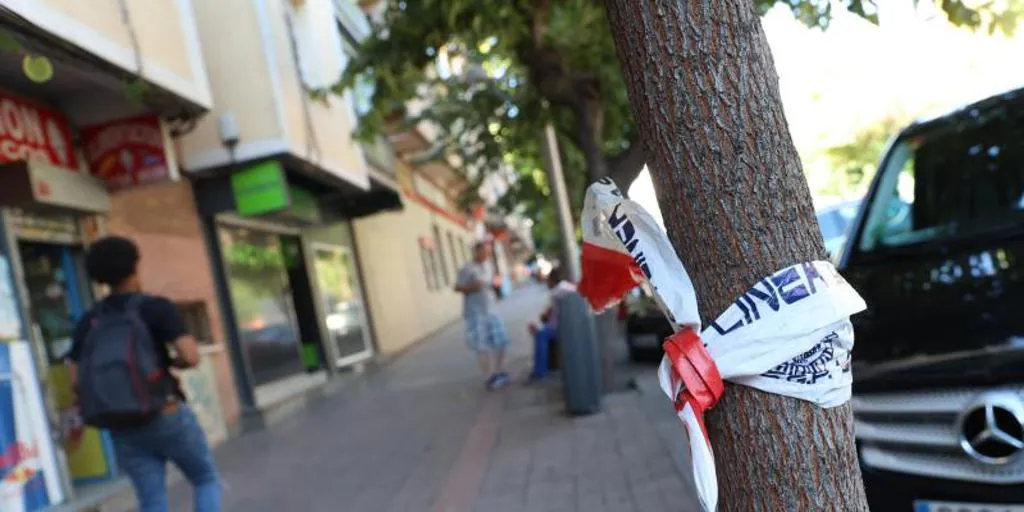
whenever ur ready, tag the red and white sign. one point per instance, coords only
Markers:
(29, 131)
(127, 152)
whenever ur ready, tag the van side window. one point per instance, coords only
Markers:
(960, 178)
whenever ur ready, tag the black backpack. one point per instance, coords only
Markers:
(121, 382)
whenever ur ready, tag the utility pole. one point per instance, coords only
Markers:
(556, 179)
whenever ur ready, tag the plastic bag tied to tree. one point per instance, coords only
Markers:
(789, 334)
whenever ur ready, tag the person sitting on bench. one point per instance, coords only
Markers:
(544, 332)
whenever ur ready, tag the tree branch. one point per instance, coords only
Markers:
(549, 71)
(539, 23)
(590, 127)
(624, 167)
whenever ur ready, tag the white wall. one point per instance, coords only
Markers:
(402, 307)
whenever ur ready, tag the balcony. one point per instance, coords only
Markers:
(107, 42)
(381, 156)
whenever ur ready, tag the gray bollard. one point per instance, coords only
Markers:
(580, 356)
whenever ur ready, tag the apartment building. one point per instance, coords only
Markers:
(92, 97)
(410, 257)
(277, 180)
(293, 251)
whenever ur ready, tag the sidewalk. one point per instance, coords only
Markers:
(421, 434)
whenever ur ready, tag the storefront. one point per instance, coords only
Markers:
(29, 459)
(50, 208)
(48, 217)
(57, 197)
(291, 291)
(46, 250)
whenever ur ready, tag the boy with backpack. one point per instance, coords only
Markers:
(120, 362)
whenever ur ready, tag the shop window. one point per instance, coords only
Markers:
(259, 268)
(428, 271)
(442, 262)
(456, 259)
(435, 269)
(197, 320)
(465, 249)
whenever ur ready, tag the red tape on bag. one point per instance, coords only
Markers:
(692, 364)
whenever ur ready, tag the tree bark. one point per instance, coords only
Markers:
(590, 126)
(626, 166)
(703, 88)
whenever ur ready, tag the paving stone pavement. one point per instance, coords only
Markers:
(421, 434)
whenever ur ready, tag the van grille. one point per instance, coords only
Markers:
(916, 433)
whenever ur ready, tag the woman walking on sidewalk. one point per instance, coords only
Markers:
(485, 330)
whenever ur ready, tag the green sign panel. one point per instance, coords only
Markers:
(263, 189)
(260, 189)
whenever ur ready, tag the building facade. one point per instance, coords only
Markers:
(91, 99)
(410, 259)
(278, 178)
(293, 251)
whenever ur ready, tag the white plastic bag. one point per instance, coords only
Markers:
(789, 334)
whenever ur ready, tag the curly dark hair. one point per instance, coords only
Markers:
(111, 260)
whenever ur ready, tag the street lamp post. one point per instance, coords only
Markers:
(552, 158)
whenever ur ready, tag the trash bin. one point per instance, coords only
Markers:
(580, 356)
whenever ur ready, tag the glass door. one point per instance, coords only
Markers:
(343, 307)
(57, 298)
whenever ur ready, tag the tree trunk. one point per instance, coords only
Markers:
(590, 127)
(624, 168)
(704, 91)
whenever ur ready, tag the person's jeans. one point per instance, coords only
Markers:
(542, 339)
(143, 453)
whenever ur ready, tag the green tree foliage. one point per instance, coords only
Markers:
(854, 163)
(495, 72)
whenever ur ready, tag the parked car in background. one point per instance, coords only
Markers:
(834, 222)
(646, 327)
(938, 254)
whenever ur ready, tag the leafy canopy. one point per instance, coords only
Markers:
(855, 162)
(494, 76)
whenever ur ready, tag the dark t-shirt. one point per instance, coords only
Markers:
(160, 315)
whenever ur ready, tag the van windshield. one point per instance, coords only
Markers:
(965, 176)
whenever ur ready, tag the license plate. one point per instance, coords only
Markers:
(944, 506)
(646, 341)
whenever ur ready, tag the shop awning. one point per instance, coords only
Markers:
(271, 188)
(38, 184)
(381, 197)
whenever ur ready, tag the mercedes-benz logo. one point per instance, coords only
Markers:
(992, 428)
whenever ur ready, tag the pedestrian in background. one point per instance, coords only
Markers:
(121, 362)
(485, 330)
(544, 332)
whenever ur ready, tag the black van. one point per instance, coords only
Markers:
(937, 251)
